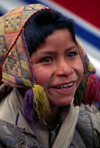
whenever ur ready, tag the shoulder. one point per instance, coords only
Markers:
(10, 103)
(4, 90)
(92, 113)
(89, 123)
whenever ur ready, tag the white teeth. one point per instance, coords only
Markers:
(70, 84)
(64, 86)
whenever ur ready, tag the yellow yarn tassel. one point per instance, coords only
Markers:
(40, 101)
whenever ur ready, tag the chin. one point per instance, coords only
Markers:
(65, 102)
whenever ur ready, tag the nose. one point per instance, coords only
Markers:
(64, 68)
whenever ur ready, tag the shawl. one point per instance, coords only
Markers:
(15, 60)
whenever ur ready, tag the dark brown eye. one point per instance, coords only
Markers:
(47, 59)
(72, 54)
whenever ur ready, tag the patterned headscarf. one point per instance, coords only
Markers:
(15, 60)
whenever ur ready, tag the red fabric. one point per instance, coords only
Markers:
(87, 9)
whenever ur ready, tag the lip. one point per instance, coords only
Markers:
(65, 83)
(65, 89)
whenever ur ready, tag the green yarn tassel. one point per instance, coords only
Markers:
(40, 101)
(79, 94)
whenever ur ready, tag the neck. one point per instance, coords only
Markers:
(52, 118)
(22, 91)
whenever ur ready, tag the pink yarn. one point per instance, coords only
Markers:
(92, 90)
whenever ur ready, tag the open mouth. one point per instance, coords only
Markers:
(64, 86)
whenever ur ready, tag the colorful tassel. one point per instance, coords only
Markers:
(79, 94)
(30, 113)
(92, 90)
(36, 104)
(40, 101)
(88, 91)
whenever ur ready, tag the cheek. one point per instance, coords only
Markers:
(78, 68)
(41, 76)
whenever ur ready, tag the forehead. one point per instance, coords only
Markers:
(58, 43)
(61, 34)
(59, 38)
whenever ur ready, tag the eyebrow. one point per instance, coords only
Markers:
(52, 52)
(68, 49)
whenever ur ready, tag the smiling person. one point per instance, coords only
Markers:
(49, 84)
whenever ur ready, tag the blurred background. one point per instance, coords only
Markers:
(86, 16)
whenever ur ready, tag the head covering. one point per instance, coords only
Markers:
(17, 70)
(14, 56)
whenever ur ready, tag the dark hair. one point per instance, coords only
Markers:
(42, 24)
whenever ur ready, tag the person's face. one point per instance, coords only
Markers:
(58, 67)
